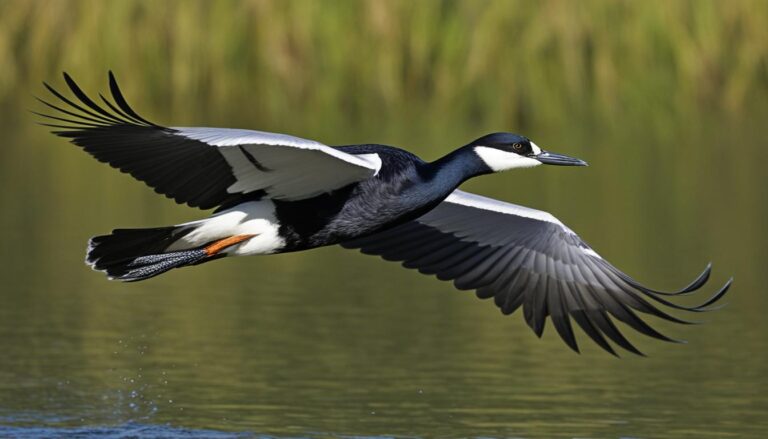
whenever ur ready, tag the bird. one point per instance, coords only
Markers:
(276, 193)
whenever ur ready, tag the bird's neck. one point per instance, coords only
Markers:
(457, 167)
(435, 182)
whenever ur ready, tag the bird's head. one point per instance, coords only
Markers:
(503, 151)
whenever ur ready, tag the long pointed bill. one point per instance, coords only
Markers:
(550, 158)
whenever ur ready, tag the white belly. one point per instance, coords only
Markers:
(251, 218)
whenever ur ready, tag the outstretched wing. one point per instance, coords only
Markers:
(203, 167)
(525, 257)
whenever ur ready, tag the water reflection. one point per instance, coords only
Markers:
(334, 342)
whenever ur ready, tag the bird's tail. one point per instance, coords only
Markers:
(136, 254)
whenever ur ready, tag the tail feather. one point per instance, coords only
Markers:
(130, 243)
(138, 254)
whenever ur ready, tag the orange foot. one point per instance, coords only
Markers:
(217, 246)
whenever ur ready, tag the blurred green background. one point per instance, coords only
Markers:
(667, 101)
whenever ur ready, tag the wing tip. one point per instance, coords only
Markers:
(596, 330)
(90, 114)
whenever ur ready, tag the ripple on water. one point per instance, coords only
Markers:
(123, 431)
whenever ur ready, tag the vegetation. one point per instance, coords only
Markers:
(511, 61)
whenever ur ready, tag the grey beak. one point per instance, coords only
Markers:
(550, 158)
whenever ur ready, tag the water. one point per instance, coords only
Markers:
(127, 431)
(333, 343)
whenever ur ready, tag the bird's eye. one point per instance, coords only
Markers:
(517, 146)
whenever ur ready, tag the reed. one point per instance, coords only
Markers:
(478, 60)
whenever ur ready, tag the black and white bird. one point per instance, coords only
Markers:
(275, 193)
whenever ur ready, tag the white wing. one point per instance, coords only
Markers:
(285, 167)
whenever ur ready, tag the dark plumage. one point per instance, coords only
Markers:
(275, 193)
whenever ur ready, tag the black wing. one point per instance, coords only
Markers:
(203, 167)
(524, 257)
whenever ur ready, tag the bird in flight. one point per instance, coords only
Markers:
(275, 193)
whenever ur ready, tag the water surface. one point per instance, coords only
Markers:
(331, 342)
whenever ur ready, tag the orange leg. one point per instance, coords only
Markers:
(217, 246)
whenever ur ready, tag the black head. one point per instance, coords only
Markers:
(502, 151)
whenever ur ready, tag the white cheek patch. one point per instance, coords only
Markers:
(499, 160)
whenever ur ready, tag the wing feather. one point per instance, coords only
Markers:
(560, 319)
(202, 167)
(525, 258)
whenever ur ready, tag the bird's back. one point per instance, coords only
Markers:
(394, 160)
(359, 208)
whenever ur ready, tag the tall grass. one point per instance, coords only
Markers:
(493, 60)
